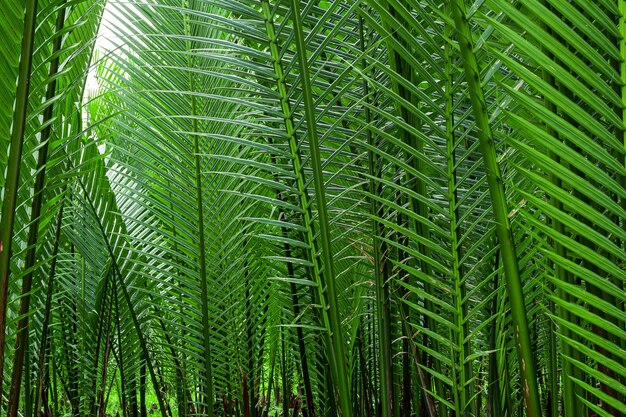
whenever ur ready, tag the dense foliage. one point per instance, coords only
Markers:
(321, 208)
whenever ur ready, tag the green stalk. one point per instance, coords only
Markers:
(113, 379)
(464, 378)
(304, 363)
(377, 250)
(404, 69)
(338, 362)
(494, 392)
(381, 268)
(181, 369)
(569, 396)
(622, 48)
(55, 396)
(143, 411)
(249, 339)
(333, 327)
(366, 403)
(553, 392)
(208, 376)
(246, 397)
(309, 408)
(13, 167)
(118, 277)
(101, 390)
(180, 377)
(21, 342)
(424, 380)
(121, 389)
(66, 362)
(272, 381)
(406, 374)
(102, 321)
(572, 392)
(503, 227)
(283, 374)
(44, 344)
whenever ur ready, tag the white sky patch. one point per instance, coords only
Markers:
(107, 40)
(110, 35)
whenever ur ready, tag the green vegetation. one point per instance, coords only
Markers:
(354, 208)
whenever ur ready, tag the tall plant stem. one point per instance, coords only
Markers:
(405, 70)
(101, 390)
(208, 377)
(380, 263)
(102, 331)
(21, 342)
(428, 400)
(622, 48)
(333, 335)
(283, 374)
(464, 385)
(13, 168)
(250, 326)
(118, 278)
(552, 400)
(143, 412)
(337, 352)
(494, 403)
(181, 370)
(503, 227)
(120, 359)
(44, 344)
(304, 363)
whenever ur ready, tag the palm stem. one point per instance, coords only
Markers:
(499, 203)
(339, 369)
(381, 265)
(622, 48)
(101, 389)
(206, 325)
(304, 363)
(9, 201)
(552, 401)
(117, 275)
(45, 343)
(404, 69)
(494, 393)
(463, 382)
(21, 342)
(122, 392)
(330, 315)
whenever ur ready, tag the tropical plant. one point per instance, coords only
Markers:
(328, 208)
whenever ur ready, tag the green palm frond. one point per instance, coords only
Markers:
(268, 207)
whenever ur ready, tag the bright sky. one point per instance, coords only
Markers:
(107, 41)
